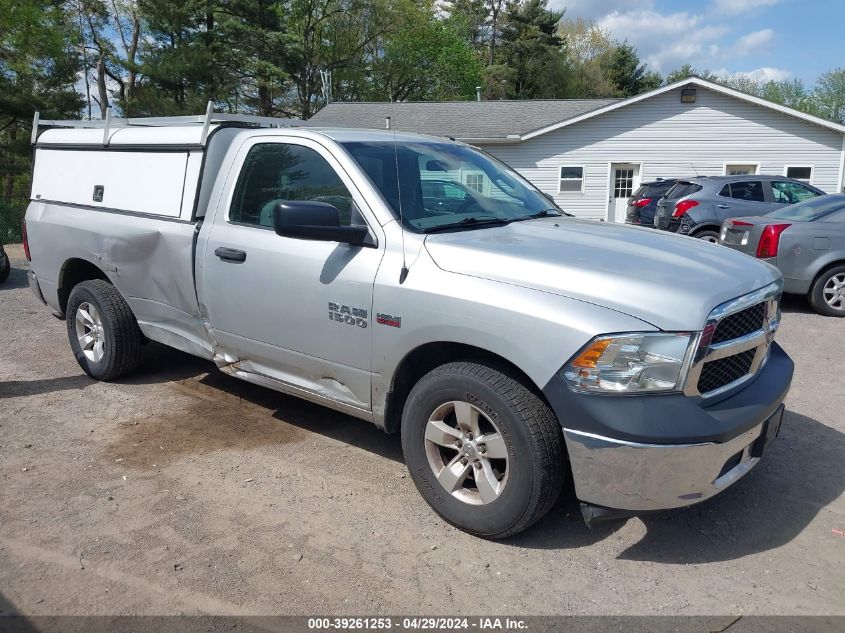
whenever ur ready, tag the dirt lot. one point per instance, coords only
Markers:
(181, 490)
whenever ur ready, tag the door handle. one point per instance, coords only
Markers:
(724, 206)
(230, 254)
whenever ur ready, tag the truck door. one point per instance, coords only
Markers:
(299, 311)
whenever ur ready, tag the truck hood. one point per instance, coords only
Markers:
(670, 281)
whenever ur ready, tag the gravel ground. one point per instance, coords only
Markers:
(182, 490)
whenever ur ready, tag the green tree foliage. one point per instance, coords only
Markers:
(180, 57)
(257, 53)
(829, 95)
(426, 58)
(790, 92)
(469, 19)
(586, 46)
(338, 36)
(38, 67)
(688, 70)
(38, 63)
(623, 69)
(532, 51)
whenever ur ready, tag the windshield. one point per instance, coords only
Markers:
(809, 210)
(444, 185)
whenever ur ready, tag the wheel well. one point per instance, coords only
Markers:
(827, 267)
(705, 227)
(73, 272)
(425, 358)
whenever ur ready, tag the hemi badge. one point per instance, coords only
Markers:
(387, 319)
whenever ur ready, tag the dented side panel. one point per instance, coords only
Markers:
(149, 259)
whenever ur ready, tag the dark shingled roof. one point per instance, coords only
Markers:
(458, 119)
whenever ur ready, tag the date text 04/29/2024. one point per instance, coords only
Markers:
(418, 623)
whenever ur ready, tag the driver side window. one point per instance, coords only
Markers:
(276, 172)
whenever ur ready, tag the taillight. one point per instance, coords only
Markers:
(642, 202)
(25, 242)
(683, 206)
(770, 240)
(740, 223)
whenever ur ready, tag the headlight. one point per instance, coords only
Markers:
(632, 362)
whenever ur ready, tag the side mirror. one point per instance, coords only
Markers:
(312, 220)
(549, 197)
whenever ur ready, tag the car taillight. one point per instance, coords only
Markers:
(25, 242)
(683, 206)
(770, 240)
(740, 223)
(642, 202)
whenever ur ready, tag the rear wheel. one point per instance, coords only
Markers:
(5, 265)
(484, 450)
(102, 330)
(827, 296)
(708, 236)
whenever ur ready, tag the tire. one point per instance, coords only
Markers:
(525, 477)
(829, 286)
(708, 236)
(113, 347)
(5, 265)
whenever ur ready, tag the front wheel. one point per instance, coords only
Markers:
(484, 450)
(827, 296)
(102, 330)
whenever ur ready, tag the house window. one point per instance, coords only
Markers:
(799, 173)
(747, 169)
(571, 179)
(476, 182)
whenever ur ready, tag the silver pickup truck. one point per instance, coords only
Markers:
(420, 285)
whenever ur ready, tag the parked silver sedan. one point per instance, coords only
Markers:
(806, 241)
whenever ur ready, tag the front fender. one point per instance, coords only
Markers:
(535, 331)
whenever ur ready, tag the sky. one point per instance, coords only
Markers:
(766, 39)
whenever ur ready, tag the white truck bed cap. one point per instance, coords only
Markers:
(123, 136)
(192, 130)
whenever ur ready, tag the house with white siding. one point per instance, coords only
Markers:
(590, 154)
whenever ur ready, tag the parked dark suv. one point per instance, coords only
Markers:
(643, 202)
(699, 206)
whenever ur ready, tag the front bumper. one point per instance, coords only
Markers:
(654, 452)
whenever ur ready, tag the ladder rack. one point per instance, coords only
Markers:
(110, 123)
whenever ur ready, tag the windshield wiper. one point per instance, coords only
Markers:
(555, 212)
(471, 220)
(545, 213)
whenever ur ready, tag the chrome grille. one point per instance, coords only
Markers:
(718, 373)
(740, 324)
(735, 342)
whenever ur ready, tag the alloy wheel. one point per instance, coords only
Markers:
(90, 331)
(834, 292)
(466, 452)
